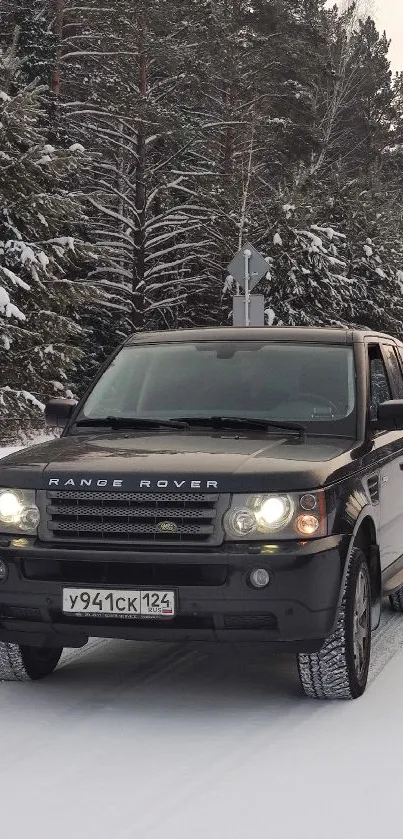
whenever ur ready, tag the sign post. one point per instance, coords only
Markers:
(247, 254)
(247, 268)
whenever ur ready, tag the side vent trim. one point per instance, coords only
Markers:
(373, 488)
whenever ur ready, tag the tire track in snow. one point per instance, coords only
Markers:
(386, 642)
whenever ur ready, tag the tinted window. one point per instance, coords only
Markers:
(380, 389)
(395, 375)
(301, 382)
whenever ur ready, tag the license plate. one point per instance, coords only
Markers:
(134, 604)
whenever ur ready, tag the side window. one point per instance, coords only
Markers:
(380, 388)
(394, 372)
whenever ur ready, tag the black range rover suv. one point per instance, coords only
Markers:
(219, 485)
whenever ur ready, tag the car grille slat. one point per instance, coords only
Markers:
(132, 517)
(88, 511)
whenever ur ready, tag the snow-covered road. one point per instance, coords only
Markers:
(136, 740)
(145, 740)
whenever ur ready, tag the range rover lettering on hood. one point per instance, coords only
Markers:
(118, 483)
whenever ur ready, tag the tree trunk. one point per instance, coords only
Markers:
(11, 56)
(58, 32)
(137, 316)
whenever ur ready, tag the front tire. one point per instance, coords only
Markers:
(340, 669)
(24, 664)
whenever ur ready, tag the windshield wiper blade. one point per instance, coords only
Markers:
(251, 422)
(132, 422)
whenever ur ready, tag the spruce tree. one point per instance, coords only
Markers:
(42, 258)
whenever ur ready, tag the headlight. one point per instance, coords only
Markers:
(288, 516)
(18, 511)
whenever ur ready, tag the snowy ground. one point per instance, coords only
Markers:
(143, 740)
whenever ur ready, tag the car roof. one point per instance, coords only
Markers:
(297, 334)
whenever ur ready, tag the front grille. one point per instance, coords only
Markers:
(163, 574)
(133, 517)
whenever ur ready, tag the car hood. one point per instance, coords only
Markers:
(180, 462)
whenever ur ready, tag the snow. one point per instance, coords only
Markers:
(7, 308)
(27, 255)
(271, 316)
(43, 259)
(14, 278)
(4, 299)
(29, 397)
(330, 232)
(135, 739)
(205, 741)
(289, 209)
(65, 242)
(77, 147)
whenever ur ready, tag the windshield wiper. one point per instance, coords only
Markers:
(132, 422)
(247, 422)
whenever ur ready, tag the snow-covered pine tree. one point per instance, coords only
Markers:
(42, 223)
(252, 115)
(308, 254)
(335, 258)
(35, 43)
(129, 106)
(207, 118)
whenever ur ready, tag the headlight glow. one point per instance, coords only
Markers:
(274, 513)
(10, 507)
(287, 515)
(18, 511)
(307, 524)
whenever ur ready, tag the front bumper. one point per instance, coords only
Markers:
(215, 600)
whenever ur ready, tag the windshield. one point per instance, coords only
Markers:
(312, 384)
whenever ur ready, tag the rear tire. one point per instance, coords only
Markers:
(23, 664)
(340, 669)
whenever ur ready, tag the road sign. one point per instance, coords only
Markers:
(256, 310)
(257, 266)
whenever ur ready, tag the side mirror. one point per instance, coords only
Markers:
(59, 411)
(390, 415)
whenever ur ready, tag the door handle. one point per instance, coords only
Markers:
(385, 479)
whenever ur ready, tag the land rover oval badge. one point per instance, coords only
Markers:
(167, 527)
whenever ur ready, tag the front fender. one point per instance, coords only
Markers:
(352, 513)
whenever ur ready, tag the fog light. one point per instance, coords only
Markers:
(3, 571)
(259, 578)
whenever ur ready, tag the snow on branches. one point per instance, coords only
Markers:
(41, 253)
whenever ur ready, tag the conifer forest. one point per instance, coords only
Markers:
(142, 142)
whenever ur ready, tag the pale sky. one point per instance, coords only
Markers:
(389, 16)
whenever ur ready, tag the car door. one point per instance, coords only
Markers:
(389, 446)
